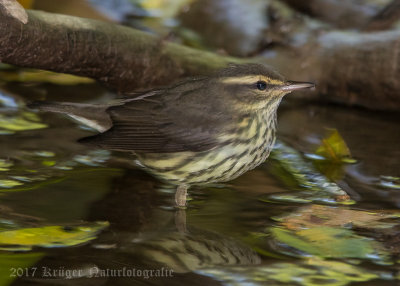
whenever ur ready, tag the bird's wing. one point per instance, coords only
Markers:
(163, 122)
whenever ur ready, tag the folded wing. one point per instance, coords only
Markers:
(167, 121)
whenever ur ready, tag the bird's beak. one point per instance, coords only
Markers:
(295, 85)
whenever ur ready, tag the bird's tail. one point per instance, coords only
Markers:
(58, 107)
(91, 115)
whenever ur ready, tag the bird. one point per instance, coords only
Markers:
(201, 130)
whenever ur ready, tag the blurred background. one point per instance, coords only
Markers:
(322, 210)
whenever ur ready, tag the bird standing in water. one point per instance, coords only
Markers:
(202, 130)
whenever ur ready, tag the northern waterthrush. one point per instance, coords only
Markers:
(201, 130)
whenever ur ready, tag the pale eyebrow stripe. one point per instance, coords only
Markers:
(250, 80)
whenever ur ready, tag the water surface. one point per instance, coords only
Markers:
(64, 207)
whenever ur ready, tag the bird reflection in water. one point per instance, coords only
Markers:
(141, 227)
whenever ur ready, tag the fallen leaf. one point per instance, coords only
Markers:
(20, 121)
(334, 148)
(10, 263)
(49, 236)
(310, 272)
(289, 166)
(328, 242)
(326, 216)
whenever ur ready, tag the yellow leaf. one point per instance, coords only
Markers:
(9, 184)
(20, 122)
(5, 165)
(164, 8)
(49, 236)
(334, 148)
(43, 76)
(27, 4)
(330, 242)
(12, 262)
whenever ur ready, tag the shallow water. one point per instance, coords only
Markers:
(70, 215)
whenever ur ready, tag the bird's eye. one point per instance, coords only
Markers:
(261, 85)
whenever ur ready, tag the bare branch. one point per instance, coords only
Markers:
(342, 14)
(352, 68)
(386, 18)
(13, 9)
(120, 57)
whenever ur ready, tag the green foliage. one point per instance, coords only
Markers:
(49, 236)
(334, 148)
(310, 272)
(20, 121)
(10, 262)
(41, 76)
(331, 156)
(329, 242)
(289, 166)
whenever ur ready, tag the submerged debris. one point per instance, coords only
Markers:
(293, 170)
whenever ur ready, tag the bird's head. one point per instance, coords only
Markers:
(253, 86)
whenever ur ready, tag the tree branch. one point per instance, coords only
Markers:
(361, 69)
(342, 14)
(120, 57)
(13, 9)
(386, 18)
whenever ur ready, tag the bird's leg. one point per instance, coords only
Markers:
(180, 195)
(180, 220)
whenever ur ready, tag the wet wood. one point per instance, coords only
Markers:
(14, 10)
(386, 18)
(120, 57)
(352, 68)
(340, 13)
(361, 69)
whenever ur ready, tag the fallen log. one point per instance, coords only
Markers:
(339, 13)
(386, 18)
(120, 57)
(352, 68)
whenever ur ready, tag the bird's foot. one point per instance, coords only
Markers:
(180, 196)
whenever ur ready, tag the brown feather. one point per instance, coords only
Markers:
(181, 118)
